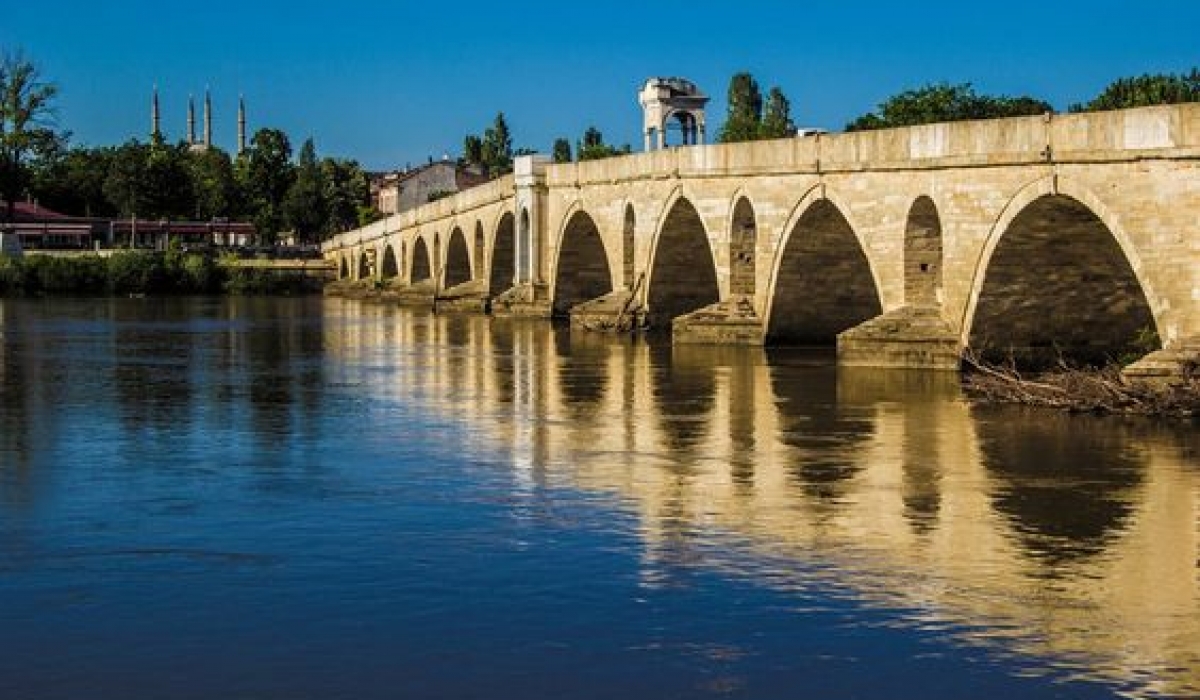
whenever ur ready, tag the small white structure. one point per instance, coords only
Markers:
(667, 99)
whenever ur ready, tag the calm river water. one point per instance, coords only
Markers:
(317, 498)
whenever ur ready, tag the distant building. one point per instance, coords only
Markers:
(401, 191)
(38, 228)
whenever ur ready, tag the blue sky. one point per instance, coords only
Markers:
(395, 82)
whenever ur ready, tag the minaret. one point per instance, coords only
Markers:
(207, 119)
(155, 131)
(191, 121)
(241, 125)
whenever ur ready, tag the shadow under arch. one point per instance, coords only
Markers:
(503, 261)
(923, 253)
(458, 260)
(389, 269)
(823, 281)
(421, 268)
(683, 273)
(1057, 282)
(628, 246)
(581, 272)
(343, 268)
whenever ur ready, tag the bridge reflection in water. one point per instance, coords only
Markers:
(1068, 539)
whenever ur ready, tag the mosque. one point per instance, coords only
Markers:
(194, 144)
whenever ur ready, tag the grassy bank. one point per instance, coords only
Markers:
(143, 272)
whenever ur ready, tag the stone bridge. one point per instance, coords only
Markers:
(1075, 234)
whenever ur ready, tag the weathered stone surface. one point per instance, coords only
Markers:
(910, 337)
(732, 322)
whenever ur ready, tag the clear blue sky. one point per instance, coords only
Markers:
(394, 82)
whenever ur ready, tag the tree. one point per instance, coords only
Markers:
(265, 178)
(347, 195)
(169, 192)
(562, 151)
(497, 147)
(777, 117)
(1145, 91)
(214, 189)
(25, 128)
(472, 150)
(945, 103)
(304, 206)
(745, 110)
(72, 182)
(126, 184)
(592, 146)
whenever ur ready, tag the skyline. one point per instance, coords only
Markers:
(401, 84)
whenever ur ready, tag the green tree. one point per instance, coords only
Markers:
(945, 103)
(347, 195)
(497, 147)
(25, 125)
(745, 110)
(777, 117)
(169, 193)
(214, 189)
(1145, 91)
(126, 185)
(562, 151)
(304, 206)
(72, 182)
(472, 150)
(265, 177)
(592, 146)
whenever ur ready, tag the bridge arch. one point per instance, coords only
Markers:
(503, 269)
(458, 260)
(923, 254)
(422, 269)
(1058, 276)
(389, 269)
(683, 272)
(823, 282)
(581, 272)
(743, 247)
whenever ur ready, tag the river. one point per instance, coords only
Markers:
(320, 498)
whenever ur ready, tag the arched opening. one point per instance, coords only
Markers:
(628, 244)
(824, 283)
(524, 249)
(364, 266)
(1057, 286)
(582, 273)
(503, 270)
(421, 268)
(743, 237)
(344, 268)
(477, 260)
(458, 260)
(389, 269)
(684, 276)
(922, 254)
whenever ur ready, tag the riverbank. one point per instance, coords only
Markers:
(137, 272)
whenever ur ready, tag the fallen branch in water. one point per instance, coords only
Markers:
(1077, 389)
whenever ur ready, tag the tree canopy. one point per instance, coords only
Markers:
(945, 103)
(1145, 91)
(26, 109)
(746, 120)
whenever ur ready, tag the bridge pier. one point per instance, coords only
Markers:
(616, 311)
(528, 300)
(468, 297)
(911, 337)
(1167, 366)
(730, 322)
